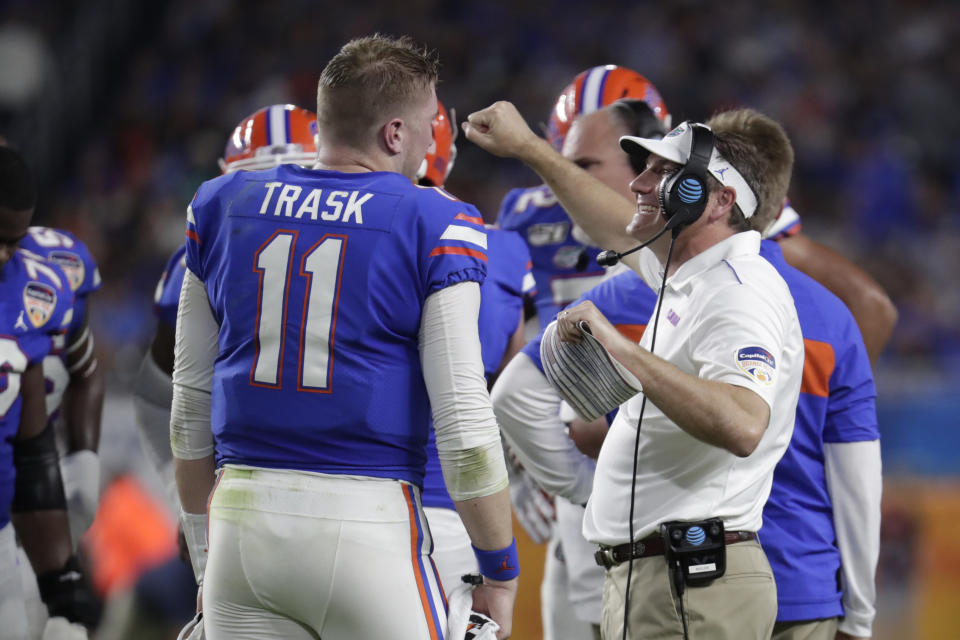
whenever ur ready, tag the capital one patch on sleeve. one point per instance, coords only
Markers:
(757, 362)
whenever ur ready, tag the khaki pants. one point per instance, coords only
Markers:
(825, 629)
(738, 606)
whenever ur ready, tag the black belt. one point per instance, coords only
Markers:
(607, 556)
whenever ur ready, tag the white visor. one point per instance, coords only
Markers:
(675, 147)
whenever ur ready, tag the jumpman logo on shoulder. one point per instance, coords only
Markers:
(20, 324)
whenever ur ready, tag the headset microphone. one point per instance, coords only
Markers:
(610, 257)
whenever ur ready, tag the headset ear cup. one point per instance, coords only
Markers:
(663, 194)
(683, 198)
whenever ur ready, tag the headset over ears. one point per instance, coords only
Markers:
(683, 194)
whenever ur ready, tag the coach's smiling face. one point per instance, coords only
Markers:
(649, 217)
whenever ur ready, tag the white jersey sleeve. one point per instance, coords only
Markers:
(468, 441)
(855, 483)
(195, 351)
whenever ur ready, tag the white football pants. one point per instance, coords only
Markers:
(297, 555)
(452, 552)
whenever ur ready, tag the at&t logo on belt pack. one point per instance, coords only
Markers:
(757, 362)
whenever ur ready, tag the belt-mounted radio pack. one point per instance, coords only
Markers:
(695, 551)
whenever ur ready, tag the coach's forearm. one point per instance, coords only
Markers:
(602, 212)
(724, 415)
(488, 520)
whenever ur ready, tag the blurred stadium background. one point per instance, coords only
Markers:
(123, 108)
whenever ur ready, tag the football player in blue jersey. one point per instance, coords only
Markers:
(35, 310)
(564, 258)
(75, 388)
(833, 463)
(74, 380)
(323, 314)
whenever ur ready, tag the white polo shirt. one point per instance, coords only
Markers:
(727, 316)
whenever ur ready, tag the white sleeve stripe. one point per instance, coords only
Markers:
(90, 369)
(529, 284)
(465, 234)
(76, 344)
(82, 362)
(190, 218)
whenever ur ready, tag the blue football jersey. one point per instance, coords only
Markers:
(837, 404)
(166, 297)
(63, 249)
(318, 279)
(509, 281)
(35, 308)
(501, 304)
(562, 267)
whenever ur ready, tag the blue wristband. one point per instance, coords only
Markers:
(500, 564)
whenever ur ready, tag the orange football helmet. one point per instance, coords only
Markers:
(596, 88)
(438, 163)
(271, 136)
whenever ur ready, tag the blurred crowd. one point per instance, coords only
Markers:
(126, 107)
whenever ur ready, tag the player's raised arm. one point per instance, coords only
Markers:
(871, 306)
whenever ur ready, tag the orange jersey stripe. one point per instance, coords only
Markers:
(459, 251)
(193, 236)
(632, 331)
(470, 219)
(818, 365)
(415, 559)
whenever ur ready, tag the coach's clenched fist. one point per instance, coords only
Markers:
(501, 130)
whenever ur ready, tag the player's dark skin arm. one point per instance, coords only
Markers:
(45, 534)
(83, 399)
(161, 349)
(869, 303)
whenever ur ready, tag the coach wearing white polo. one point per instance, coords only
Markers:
(720, 394)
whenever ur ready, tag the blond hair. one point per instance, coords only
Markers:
(368, 82)
(761, 151)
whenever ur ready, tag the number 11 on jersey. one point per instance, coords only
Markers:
(322, 266)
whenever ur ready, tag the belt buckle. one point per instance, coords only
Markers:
(604, 557)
